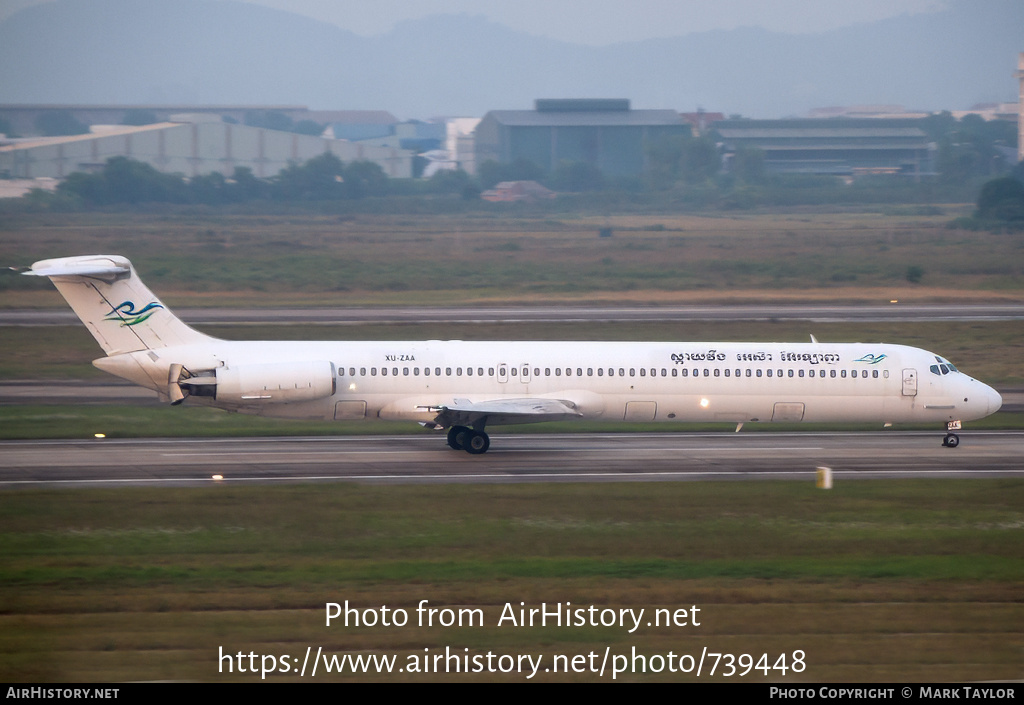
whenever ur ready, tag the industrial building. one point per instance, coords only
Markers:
(831, 146)
(191, 145)
(605, 133)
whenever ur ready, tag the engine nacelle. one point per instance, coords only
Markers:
(276, 382)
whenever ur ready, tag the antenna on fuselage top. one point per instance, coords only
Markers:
(813, 339)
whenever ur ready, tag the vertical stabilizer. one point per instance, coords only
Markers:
(117, 308)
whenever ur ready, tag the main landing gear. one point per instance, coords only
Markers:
(952, 440)
(467, 439)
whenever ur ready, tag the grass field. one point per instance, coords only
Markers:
(873, 581)
(209, 259)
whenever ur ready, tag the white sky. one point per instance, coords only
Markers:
(596, 22)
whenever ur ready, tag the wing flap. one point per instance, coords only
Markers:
(464, 412)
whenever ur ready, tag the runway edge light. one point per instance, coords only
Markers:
(824, 478)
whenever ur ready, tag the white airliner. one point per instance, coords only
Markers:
(467, 386)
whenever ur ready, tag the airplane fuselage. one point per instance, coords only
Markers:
(680, 382)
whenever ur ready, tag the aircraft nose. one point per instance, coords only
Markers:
(995, 401)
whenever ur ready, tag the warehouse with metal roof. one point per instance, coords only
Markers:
(831, 146)
(191, 145)
(604, 132)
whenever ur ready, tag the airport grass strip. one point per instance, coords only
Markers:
(875, 580)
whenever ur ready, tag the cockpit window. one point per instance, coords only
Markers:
(943, 368)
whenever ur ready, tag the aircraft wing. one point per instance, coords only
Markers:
(464, 412)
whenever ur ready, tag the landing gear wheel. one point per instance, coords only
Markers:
(456, 437)
(951, 440)
(477, 442)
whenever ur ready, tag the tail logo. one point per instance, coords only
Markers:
(871, 358)
(128, 316)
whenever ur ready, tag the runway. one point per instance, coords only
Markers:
(621, 457)
(563, 314)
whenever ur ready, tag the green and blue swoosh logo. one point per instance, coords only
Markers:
(128, 316)
(871, 358)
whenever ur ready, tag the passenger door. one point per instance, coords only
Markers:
(909, 382)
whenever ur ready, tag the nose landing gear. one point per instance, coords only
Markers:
(952, 440)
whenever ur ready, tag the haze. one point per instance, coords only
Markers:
(758, 59)
(596, 22)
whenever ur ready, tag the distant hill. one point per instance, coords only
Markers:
(222, 51)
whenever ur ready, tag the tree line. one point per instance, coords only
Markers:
(322, 178)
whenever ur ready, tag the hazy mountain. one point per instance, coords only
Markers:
(222, 51)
